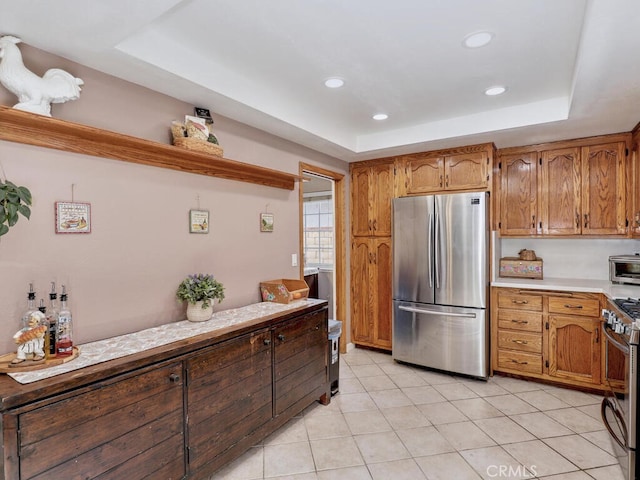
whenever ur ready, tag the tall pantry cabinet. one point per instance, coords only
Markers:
(372, 189)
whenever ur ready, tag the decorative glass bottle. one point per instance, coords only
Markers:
(65, 328)
(52, 323)
(31, 307)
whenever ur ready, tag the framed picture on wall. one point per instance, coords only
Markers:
(73, 217)
(266, 222)
(198, 221)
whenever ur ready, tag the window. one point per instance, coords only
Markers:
(318, 231)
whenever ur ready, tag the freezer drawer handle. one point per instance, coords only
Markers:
(432, 312)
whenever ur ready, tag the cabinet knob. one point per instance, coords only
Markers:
(267, 341)
(281, 337)
(174, 378)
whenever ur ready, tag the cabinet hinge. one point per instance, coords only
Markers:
(487, 160)
(19, 435)
(487, 178)
(499, 224)
(499, 165)
(540, 160)
(546, 363)
(187, 451)
(546, 326)
(626, 222)
(626, 152)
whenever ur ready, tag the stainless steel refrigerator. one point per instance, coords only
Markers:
(441, 282)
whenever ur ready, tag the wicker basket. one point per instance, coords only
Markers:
(194, 144)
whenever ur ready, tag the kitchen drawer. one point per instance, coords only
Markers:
(519, 320)
(587, 307)
(524, 342)
(520, 361)
(520, 301)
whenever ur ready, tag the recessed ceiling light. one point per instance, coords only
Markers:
(380, 116)
(334, 82)
(493, 91)
(477, 39)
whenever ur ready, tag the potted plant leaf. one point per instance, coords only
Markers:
(14, 201)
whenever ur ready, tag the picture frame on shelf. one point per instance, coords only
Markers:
(266, 222)
(199, 221)
(73, 217)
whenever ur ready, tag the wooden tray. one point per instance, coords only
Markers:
(27, 366)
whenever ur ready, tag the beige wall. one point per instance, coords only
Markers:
(122, 276)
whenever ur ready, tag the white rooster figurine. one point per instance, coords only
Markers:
(35, 94)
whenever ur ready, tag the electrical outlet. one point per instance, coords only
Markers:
(294, 259)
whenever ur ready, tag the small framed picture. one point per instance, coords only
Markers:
(198, 221)
(266, 222)
(73, 217)
(203, 113)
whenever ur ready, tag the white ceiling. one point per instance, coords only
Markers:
(572, 67)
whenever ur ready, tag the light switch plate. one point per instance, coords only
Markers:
(294, 259)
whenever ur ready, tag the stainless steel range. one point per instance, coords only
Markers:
(621, 326)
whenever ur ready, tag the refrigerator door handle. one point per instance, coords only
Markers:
(429, 252)
(437, 251)
(433, 312)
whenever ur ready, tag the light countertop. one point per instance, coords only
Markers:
(571, 284)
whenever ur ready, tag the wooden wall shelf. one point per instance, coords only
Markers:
(32, 129)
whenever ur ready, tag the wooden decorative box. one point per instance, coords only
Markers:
(517, 268)
(283, 290)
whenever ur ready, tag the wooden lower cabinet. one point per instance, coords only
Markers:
(180, 412)
(228, 397)
(126, 428)
(371, 292)
(574, 348)
(548, 335)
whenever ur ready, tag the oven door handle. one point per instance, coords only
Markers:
(606, 403)
(617, 343)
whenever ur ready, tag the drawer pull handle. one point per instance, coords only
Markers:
(566, 305)
(520, 342)
(267, 341)
(519, 363)
(281, 337)
(520, 302)
(521, 322)
(174, 378)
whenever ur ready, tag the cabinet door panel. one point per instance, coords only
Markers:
(423, 174)
(361, 321)
(603, 201)
(561, 212)
(574, 348)
(466, 171)
(300, 356)
(382, 312)
(361, 201)
(519, 195)
(229, 396)
(384, 181)
(103, 430)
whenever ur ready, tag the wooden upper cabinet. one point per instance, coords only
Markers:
(372, 189)
(466, 171)
(519, 194)
(561, 192)
(465, 168)
(424, 173)
(603, 198)
(579, 188)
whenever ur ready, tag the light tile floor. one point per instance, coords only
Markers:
(394, 421)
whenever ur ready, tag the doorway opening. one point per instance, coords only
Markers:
(322, 239)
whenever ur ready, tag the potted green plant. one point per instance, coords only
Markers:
(200, 291)
(14, 200)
